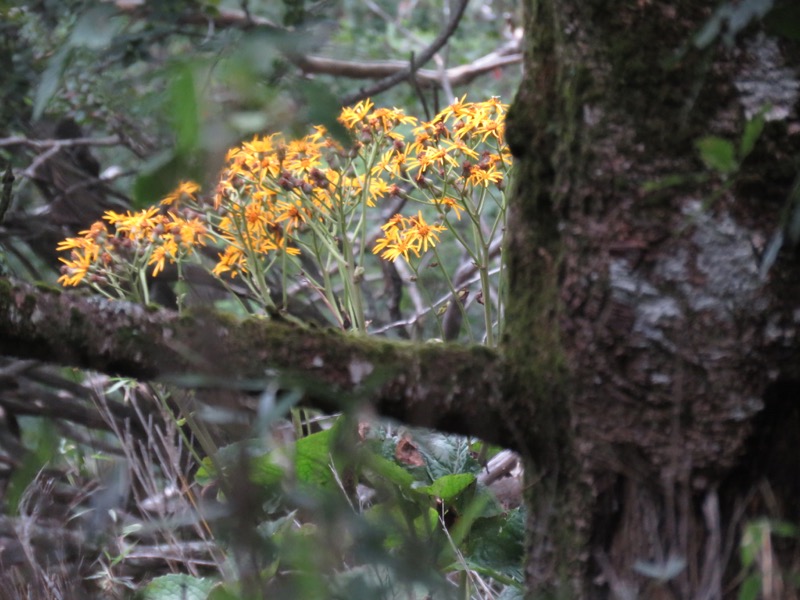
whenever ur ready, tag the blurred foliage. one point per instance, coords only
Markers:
(180, 84)
(342, 508)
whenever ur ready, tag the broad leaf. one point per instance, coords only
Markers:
(448, 487)
(718, 154)
(169, 587)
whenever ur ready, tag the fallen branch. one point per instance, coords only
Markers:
(447, 387)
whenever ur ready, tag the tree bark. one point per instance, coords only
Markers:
(673, 337)
(441, 386)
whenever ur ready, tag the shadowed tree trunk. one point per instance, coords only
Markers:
(650, 372)
(651, 325)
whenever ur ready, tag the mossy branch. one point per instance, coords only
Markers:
(447, 387)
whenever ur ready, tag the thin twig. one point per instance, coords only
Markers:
(111, 140)
(424, 57)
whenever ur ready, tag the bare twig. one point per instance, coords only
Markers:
(17, 140)
(423, 58)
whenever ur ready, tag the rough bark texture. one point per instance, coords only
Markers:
(539, 129)
(441, 386)
(651, 366)
(672, 337)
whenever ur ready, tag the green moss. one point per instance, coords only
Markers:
(50, 288)
(537, 382)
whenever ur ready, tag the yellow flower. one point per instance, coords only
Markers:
(422, 234)
(137, 226)
(192, 232)
(479, 175)
(167, 250)
(397, 247)
(432, 156)
(403, 235)
(396, 222)
(292, 213)
(185, 188)
(388, 118)
(351, 116)
(451, 204)
(231, 260)
(75, 270)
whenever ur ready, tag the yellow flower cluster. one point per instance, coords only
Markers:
(403, 235)
(152, 237)
(278, 196)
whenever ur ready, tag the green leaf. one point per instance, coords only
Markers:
(183, 106)
(264, 468)
(512, 592)
(498, 544)
(265, 471)
(313, 459)
(42, 441)
(51, 79)
(158, 176)
(169, 587)
(322, 108)
(718, 154)
(446, 454)
(752, 131)
(97, 27)
(448, 487)
(389, 471)
(784, 529)
(754, 533)
(224, 592)
(751, 588)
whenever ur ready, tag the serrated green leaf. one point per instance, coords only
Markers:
(718, 154)
(498, 543)
(446, 454)
(170, 587)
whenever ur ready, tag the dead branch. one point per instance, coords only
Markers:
(421, 59)
(18, 140)
(460, 75)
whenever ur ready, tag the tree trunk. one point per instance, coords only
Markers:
(650, 369)
(661, 350)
